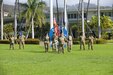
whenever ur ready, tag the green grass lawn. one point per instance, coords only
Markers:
(33, 61)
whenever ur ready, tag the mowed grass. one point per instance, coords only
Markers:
(34, 61)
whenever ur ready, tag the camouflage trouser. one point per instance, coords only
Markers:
(69, 46)
(21, 44)
(90, 45)
(61, 48)
(82, 43)
(46, 45)
(12, 46)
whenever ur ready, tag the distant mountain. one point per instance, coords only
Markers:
(91, 6)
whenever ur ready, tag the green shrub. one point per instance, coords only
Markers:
(76, 41)
(4, 41)
(27, 41)
(109, 41)
(100, 41)
(32, 41)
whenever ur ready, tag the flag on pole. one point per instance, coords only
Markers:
(56, 28)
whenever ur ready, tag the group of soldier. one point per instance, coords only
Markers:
(20, 39)
(58, 43)
(90, 41)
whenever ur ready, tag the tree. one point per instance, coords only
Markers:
(34, 13)
(105, 22)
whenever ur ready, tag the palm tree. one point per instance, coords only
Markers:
(33, 13)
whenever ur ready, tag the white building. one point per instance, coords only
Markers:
(72, 13)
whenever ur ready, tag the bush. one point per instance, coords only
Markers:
(97, 41)
(76, 41)
(32, 41)
(100, 41)
(4, 41)
(27, 41)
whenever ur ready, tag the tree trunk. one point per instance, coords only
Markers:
(32, 27)
(2, 21)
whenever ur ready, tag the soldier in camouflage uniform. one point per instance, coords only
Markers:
(46, 43)
(90, 42)
(61, 41)
(21, 41)
(82, 42)
(55, 43)
(69, 43)
(11, 40)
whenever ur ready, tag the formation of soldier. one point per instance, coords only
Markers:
(90, 41)
(20, 40)
(58, 43)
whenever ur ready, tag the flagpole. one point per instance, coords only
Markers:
(2, 20)
(65, 15)
(83, 31)
(51, 14)
(15, 20)
(99, 28)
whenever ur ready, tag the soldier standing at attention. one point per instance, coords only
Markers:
(61, 41)
(46, 43)
(11, 40)
(69, 43)
(90, 42)
(21, 41)
(82, 42)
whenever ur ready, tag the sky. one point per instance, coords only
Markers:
(69, 2)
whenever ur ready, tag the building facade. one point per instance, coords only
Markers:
(74, 15)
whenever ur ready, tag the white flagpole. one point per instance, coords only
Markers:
(15, 20)
(2, 20)
(83, 31)
(65, 15)
(99, 28)
(51, 14)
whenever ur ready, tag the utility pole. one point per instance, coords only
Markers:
(2, 20)
(51, 14)
(83, 31)
(99, 27)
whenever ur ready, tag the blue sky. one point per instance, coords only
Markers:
(69, 2)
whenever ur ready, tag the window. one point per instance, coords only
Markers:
(72, 16)
(69, 16)
(75, 15)
(109, 13)
(85, 15)
(102, 14)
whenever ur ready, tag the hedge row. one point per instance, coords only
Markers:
(96, 41)
(36, 41)
(27, 41)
